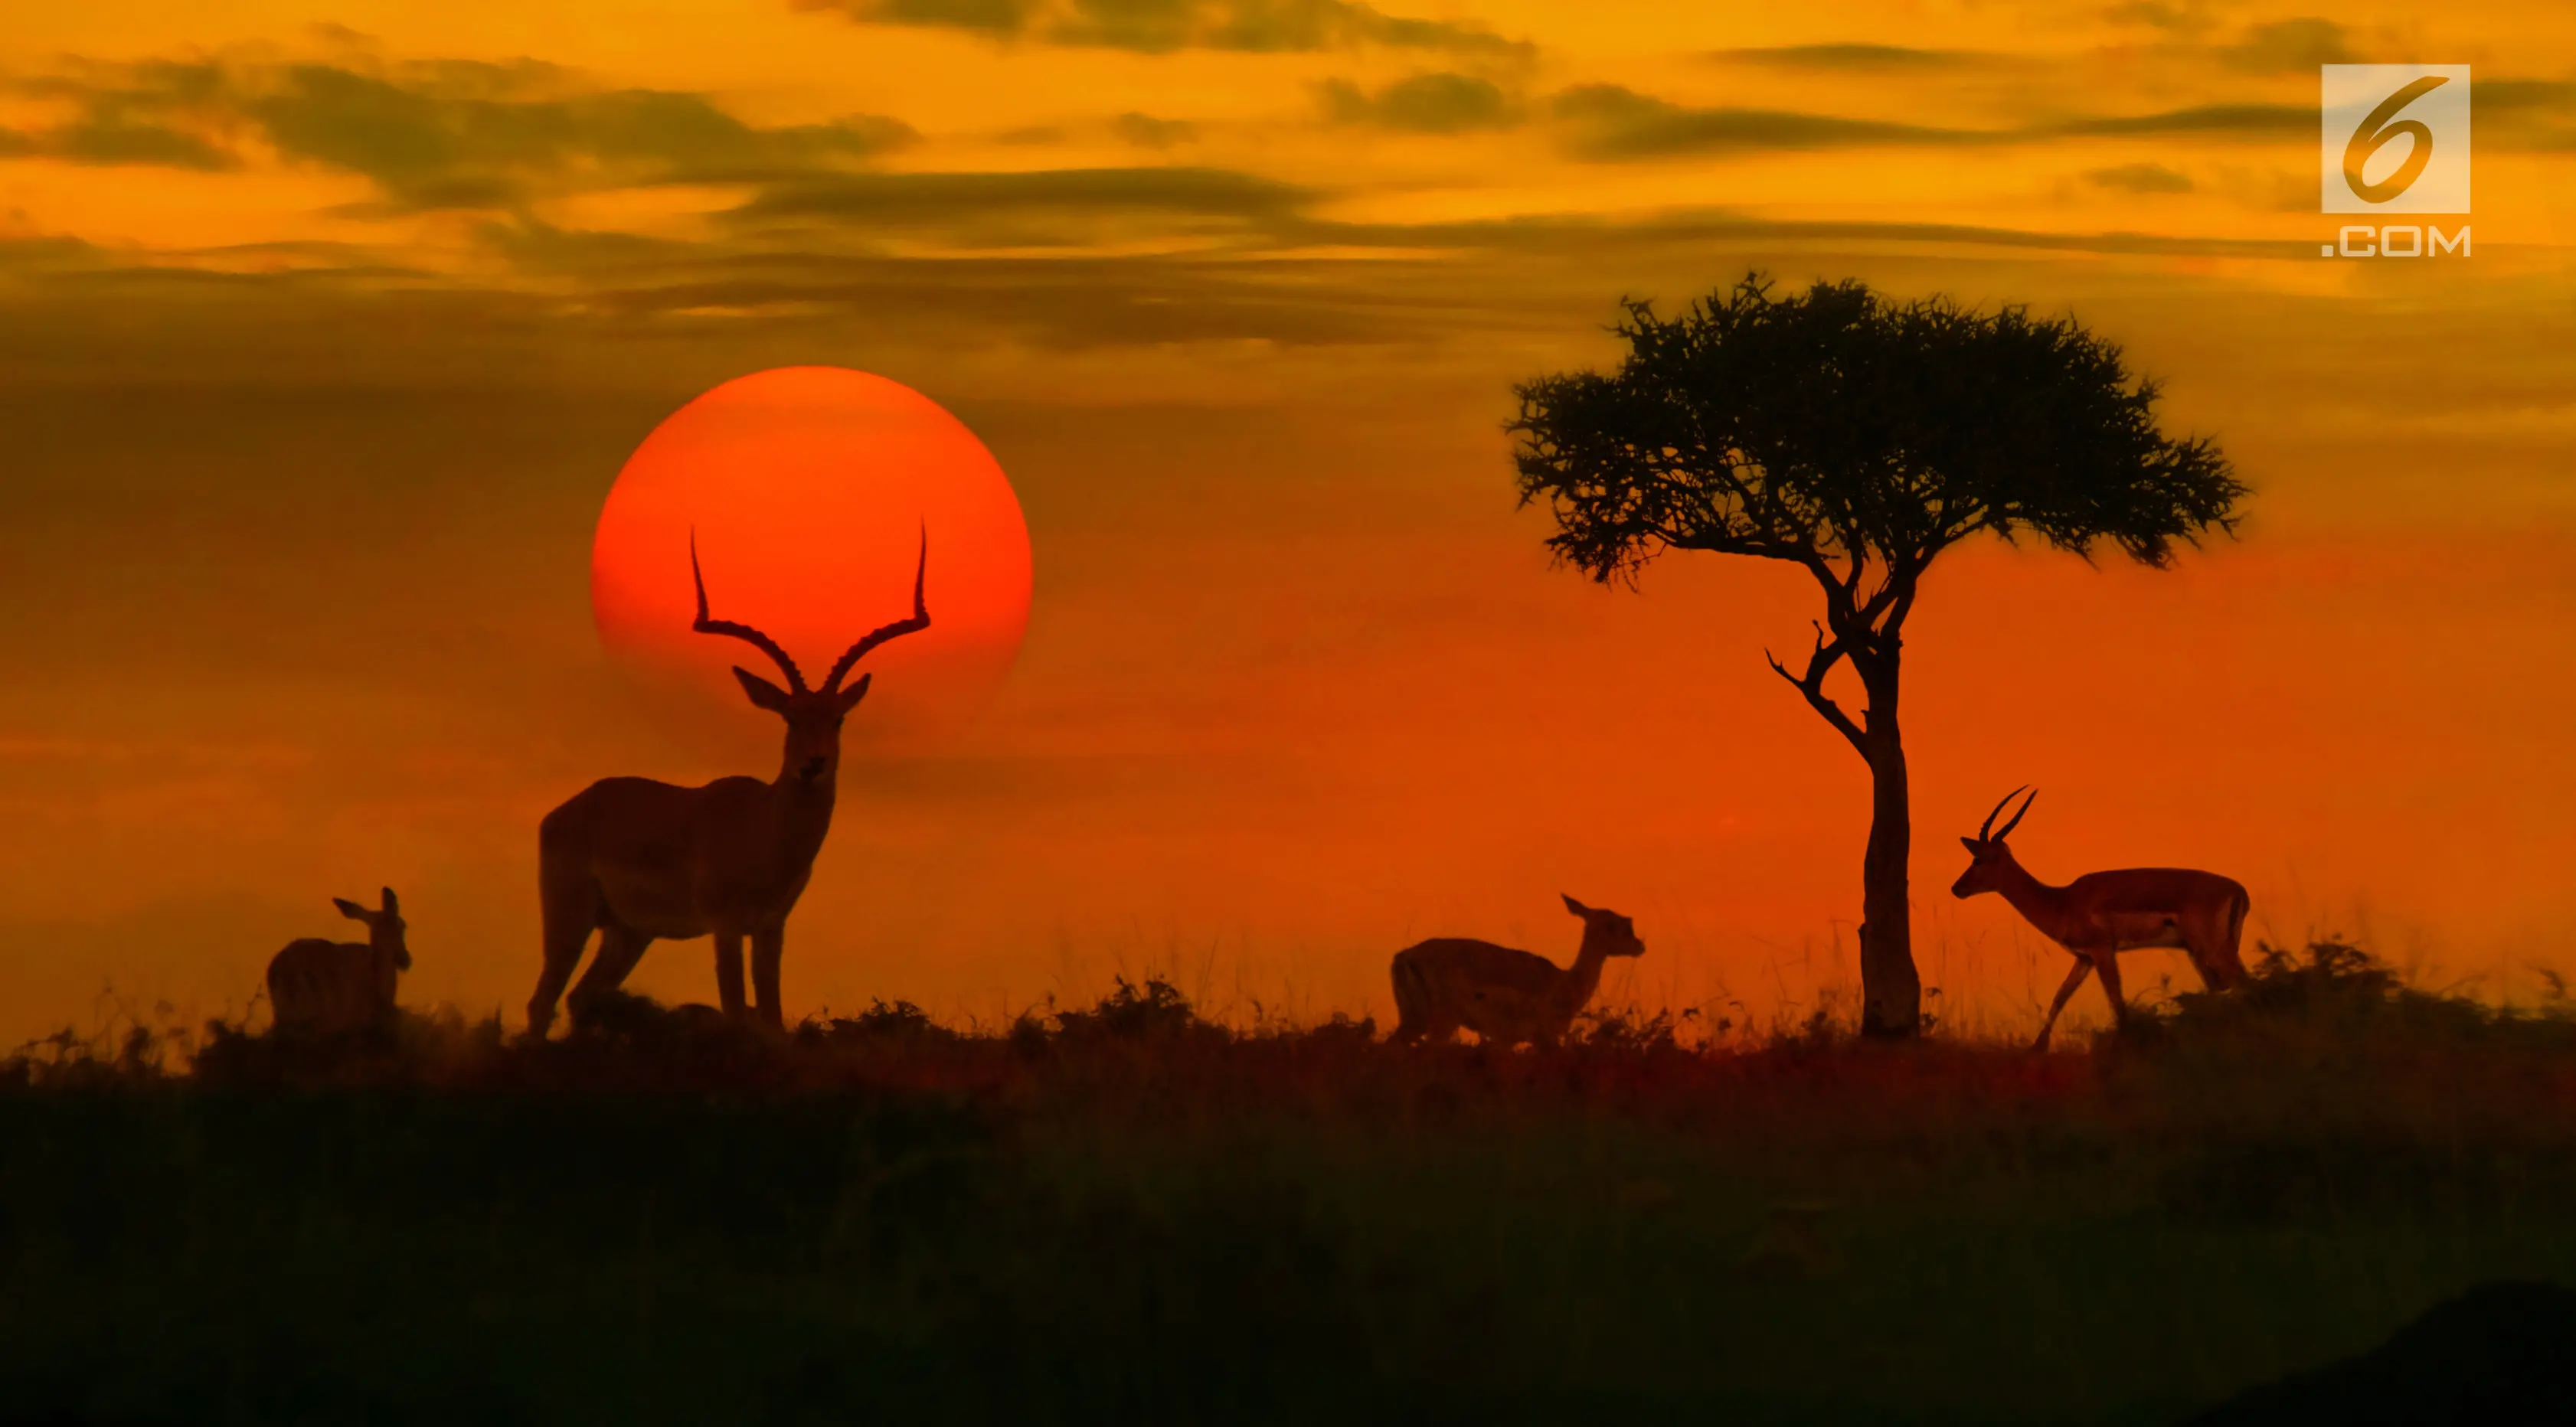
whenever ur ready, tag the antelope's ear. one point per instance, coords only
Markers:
(1575, 907)
(762, 693)
(1969, 843)
(850, 696)
(393, 906)
(350, 909)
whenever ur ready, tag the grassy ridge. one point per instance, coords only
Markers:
(1124, 1210)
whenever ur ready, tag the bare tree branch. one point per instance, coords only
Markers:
(1820, 663)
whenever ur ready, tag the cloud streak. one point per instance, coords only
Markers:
(1029, 208)
(1857, 58)
(1422, 104)
(444, 134)
(1610, 123)
(2289, 47)
(2140, 178)
(1169, 26)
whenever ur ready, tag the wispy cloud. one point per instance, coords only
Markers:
(2139, 178)
(1609, 121)
(101, 141)
(147, 114)
(1167, 26)
(444, 134)
(2536, 114)
(1030, 206)
(2289, 47)
(2182, 17)
(1146, 131)
(1857, 58)
(2223, 121)
(37, 255)
(1422, 104)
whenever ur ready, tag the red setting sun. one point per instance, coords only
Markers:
(810, 491)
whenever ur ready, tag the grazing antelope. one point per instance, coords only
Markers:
(2101, 914)
(318, 987)
(640, 860)
(1503, 995)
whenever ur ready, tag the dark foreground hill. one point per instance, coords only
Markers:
(1125, 1213)
(2496, 1354)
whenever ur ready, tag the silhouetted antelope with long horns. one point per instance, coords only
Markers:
(2101, 914)
(322, 987)
(641, 860)
(1503, 995)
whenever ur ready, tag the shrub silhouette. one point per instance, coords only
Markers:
(1154, 1011)
(900, 1021)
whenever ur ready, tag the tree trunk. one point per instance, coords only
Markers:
(1891, 991)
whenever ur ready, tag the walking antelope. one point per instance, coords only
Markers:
(2101, 914)
(318, 987)
(640, 860)
(1503, 995)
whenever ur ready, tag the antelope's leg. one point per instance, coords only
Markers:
(550, 985)
(2110, 970)
(1425, 1027)
(729, 972)
(619, 949)
(2212, 954)
(567, 932)
(767, 946)
(2065, 993)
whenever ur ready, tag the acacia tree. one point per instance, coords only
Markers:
(1857, 438)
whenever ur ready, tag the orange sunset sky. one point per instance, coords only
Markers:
(324, 328)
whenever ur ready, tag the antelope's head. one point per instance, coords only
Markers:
(384, 926)
(1990, 859)
(1605, 930)
(813, 715)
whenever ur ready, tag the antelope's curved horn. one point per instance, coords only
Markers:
(743, 632)
(918, 621)
(2017, 817)
(1986, 830)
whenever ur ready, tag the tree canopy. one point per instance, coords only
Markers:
(1858, 438)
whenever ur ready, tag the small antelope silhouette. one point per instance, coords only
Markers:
(318, 987)
(1503, 995)
(2101, 914)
